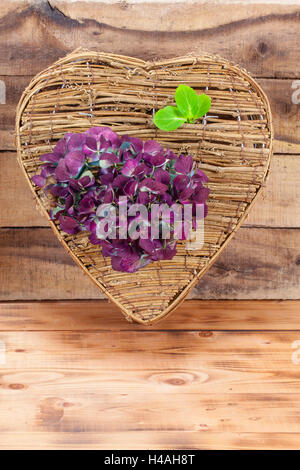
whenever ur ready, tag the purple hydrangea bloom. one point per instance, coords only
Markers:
(88, 170)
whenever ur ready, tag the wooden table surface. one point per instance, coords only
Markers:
(224, 370)
(216, 374)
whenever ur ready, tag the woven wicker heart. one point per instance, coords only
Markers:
(232, 145)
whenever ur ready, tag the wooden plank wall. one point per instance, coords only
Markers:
(216, 374)
(262, 37)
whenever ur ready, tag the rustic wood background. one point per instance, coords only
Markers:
(219, 373)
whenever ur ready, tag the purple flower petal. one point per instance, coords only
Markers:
(120, 181)
(96, 241)
(47, 170)
(50, 158)
(147, 245)
(127, 264)
(107, 248)
(60, 148)
(141, 170)
(170, 250)
(130, 188)
(167, 198)
(135, 143)
(185, 195)
(90, 147)
(86, 205)
(86, 180)
(153, 147)
(104, 135)
(162, 176)
(62, 171)
(200, 176)
(201, 195)
(58, 191)
(129, 167)
(107, 178)
(148, 184)
(107, 160)
(68, 225)
(76, 142)
(158, 160)
(74, 161)
(184, 164)
(180, 183)
(143, 198)
(39, 180)
(109, 195)
(170, 155)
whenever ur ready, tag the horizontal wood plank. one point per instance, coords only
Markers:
(158, 440)
(251, 36)
(19, 207)
(284, 97)
(49, 404)
(278, 204)
(112, 383)
(258, 264)
(178, 15)
(276, 207)
(100, 315)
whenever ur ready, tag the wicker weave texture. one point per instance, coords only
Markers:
(233, 145)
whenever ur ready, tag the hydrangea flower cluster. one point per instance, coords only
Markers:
(98, 167)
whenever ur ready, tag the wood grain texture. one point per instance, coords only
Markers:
(171, 16)
(165, 440)
(277, 206)
(76, 375)
(258, 264)
(284, 96)
(100, 315)
(18, 205)
(251, 41)
(115, 383)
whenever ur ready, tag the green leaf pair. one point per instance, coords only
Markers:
(190, 107)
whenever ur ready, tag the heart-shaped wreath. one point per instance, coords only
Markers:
(97, 109)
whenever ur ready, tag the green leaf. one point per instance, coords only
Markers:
(187, 101)
(168, 118)
(204, 104)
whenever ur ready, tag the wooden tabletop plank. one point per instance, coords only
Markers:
(251, 40)
(158, 440)
(111, 383)
(258, 356)
(101, 315)
(258, 264)
(84, 407)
